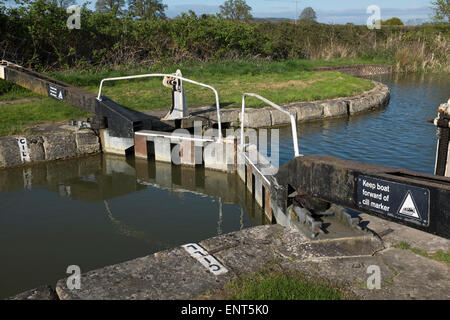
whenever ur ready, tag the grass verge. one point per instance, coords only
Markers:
(276, 285)
(440, 255)
(281, 82)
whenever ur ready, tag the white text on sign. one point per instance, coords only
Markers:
(24, 153)
(374, 193)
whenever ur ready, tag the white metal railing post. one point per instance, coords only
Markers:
(242, 123)
(291, 116)
(99, 98)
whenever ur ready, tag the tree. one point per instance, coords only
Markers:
(308, 15)
(441, 9)
(145, 9)
(110, 6)
(236, 10)
(392, 22)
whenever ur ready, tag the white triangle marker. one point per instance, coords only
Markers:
(408, 207)
(60, 96)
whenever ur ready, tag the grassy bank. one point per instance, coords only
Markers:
(277, 285)
(281, 82)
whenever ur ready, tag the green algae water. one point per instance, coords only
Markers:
(102, 210)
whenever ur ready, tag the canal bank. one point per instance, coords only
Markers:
(344, 263)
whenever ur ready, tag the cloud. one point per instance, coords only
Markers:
(359, 16)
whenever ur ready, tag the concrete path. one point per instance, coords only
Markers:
(175, 274)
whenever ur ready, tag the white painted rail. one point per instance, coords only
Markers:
(99, 98)
(170, 135)
(7, 63)
(270, 103)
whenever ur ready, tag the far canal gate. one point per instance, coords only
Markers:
(319, 195)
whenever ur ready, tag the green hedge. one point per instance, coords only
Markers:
(35, 34)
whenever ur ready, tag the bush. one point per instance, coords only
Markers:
(35, 34)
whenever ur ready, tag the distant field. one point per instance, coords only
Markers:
(281, 82)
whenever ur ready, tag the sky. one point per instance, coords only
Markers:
(328, 11)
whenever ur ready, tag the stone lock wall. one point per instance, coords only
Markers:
(17, 151)
(377, 97)
(68, 142)
(359, 70)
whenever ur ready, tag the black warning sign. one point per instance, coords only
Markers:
(398, 200)
(56, 92)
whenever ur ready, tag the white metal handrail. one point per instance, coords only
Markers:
(172, 76)
(172, 136)
(8, 63)
(270, 103)
(256, 168)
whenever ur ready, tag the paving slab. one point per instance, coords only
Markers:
(404, 275)
(175, 274)
(351, 247)
(45, 292)
(393, 233)
(171, 274)
(416, 277)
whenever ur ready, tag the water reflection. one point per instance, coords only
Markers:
(105, 177)
(102, 210)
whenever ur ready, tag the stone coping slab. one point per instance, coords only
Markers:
(61, 142)
(377, 97)
(175, 274)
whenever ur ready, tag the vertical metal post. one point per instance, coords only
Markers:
(270, 103)
(442, 122)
